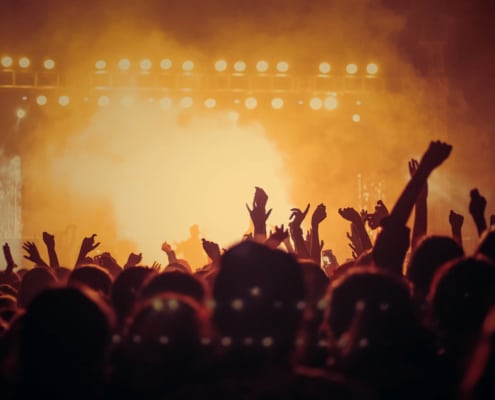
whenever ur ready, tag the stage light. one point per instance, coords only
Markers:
(146, 64)
(186, 102)
(124, 64)
(24, 62)
(315, 103)
(283, 66)
(277, 103)
(251, 103)
(220, 65)
(331, 103)
(7, 62)
(372, 69)
(188, 66)
(127, 101)
(356, 118)
(351, 69)
(210, 103)
(165, 103)
(21, 113)
(240, 66)
(103, 101)
(262, 66)
(324, 68)
(63, 100)
(41, 100)
(166, 63)
(24, 98)
(101, 64)
(49, 64)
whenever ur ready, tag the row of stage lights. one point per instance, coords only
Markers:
(166, 64)
(251, 103)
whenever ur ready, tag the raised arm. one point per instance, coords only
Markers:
(318, 216)
(421, 209)
(33, 254)
(357, 228)
(456, 221)
(477, 207)
(259, 215)
(167, 249)
(9, 260)
(50, 247)
(296, 231)
(88, 244)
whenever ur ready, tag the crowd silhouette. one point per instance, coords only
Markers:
(275, 316)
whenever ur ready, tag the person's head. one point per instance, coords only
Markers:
(259, 295)
(65, 332)
(34, 282)
(429, 256)
(461, 294)
(92, 276)
(174, 282)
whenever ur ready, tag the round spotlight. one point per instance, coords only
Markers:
(127, 101)
(331, 103)
(315, 103)
(7, 62)
(63, 100)
(277, 103)
(124, 64)
(188, 66)
(49, 64)
(100, 64)
(356, 118)
(351, 69)
(145, 64)
(240, 66)
(324, 68)
(24, 62)
(21, 113)
(165, 103)
(41, 100)
(262, 66)
(372, 69)
(103, 101)
(210, 103)
(220, 65)
(166, 63)
(186, 102)
(283, 66)
(251, 103)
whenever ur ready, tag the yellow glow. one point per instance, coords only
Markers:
(49, 64)
(188, 66)
(240, 66)
(127, 101)
(7, 61)
(103, 101)
(372, 69)
(165, 103)
(101, 64)
(277, 103)
(233, 116)
(210, 103)
(145, 64)
(24, 62)
(21, 113)
(324, 68)
(251, 103)
(41, 100)
(220, 65)
(166, 63)
(124, 64)
(282, 66)
(331, 103)
(351, 69)
(63, 100)
(356, 118)
(315, 103)
(186, 102)
(262, 66)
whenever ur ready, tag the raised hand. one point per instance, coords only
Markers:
(319, 214)
(133, 260)
(156, 266)
(278, 236)
(8, 258)
(350, 214)
(477, 206)
(455, 220)
(88, 244)
(49, 240)
(33, 254)
(435, 155)
(166, 247)
(258, 212)
(212, 250)
(297, 216)
(375, 218)
(421, 215)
